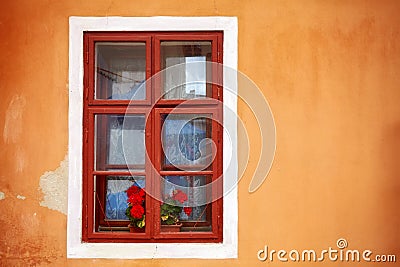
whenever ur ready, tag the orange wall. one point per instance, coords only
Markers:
(331, 73)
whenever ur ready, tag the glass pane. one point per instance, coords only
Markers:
(120, 70)
(184, 201)
(186, 141)
(119, 142)
(116, 195)
(189, 80)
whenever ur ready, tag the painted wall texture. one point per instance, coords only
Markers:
(331, 73)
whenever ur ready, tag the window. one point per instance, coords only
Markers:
(152, 119)
(76, 247)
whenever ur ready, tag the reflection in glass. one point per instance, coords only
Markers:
(194, 208)
(120, 70)
(190, 80)
(116, 198)
(120, 142)
(186, 140)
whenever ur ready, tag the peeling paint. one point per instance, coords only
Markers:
(54, 185)
(13, 119)
(2, 195)
(21, 197)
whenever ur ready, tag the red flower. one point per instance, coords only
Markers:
(180, 196)
(137, 211)
(133, 190)
(136, 199)
(187, 210)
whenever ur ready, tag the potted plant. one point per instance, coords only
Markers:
(135, 210)
(171, 209)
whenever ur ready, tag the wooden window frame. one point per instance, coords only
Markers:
(152, 111)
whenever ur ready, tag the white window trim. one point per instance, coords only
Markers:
(78, 249)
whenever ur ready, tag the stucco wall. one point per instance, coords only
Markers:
(331, 73)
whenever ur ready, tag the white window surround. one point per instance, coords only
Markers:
(75, 247)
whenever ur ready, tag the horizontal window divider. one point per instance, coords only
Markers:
(111, 229)
(119, 103)
(197, 167)
(118, 110)
(118, 173)
(118, 221)
(124, 167)
(195, 109)
(163, 102)
(187, 102)
(185, 173)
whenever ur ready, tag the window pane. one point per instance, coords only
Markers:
(120, 70)
(186, 141)
(120, 142)
(116, 195)
(189, 80)
(189, 199)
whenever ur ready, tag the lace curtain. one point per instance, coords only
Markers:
(187, 80)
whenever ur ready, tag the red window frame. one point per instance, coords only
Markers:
(94, 191)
